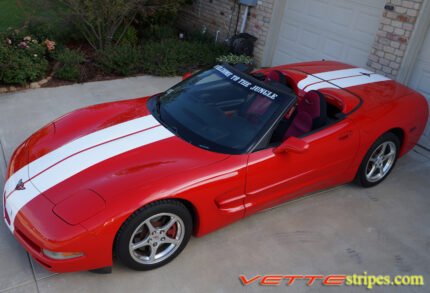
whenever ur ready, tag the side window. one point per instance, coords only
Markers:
(279, 132)
(275, 138)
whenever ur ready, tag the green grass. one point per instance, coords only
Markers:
(12, 14)
(15, 13)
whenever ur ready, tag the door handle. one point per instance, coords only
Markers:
(345, 136)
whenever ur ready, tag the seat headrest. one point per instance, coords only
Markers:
(276, 76)
(312, 98)
(311, 104)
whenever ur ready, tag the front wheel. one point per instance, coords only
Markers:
(379, 161)
(154, 235)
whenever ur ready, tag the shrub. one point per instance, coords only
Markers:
(123, 60)
(202, 37)
(159, 32)
(104, 23)
(22, 59)
(172, 57)
(235, 59)
(70, 65)
(160, 12)
(130, 37)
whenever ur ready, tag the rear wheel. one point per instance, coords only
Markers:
(154, 235)
(379, 161)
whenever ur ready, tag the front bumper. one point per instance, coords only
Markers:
(58, 266)
(36, 227)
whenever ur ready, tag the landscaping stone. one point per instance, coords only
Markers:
(34, 85)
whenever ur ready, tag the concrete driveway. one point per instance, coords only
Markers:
(346, 230)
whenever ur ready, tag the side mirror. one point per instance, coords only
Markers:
(292, 144)
(187, 75)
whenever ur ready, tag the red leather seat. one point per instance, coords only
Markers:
(276, 76)
(311, 114)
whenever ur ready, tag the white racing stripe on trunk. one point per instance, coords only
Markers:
(320, 85)
(340, 79)
(359, 80)
(347, 82)
(342, 73)
(308, 81)
(330, 75)
(79, 155)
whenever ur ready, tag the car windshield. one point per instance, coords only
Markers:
(222, 109)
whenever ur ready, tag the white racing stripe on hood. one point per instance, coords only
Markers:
(340, 79)
(80, 155)
(90, 140)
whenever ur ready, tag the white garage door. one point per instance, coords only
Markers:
(342, 30)
(420, 80)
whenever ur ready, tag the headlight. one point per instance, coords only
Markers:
(79, 207)
(62, 255)
(18, 160)
(6, 215)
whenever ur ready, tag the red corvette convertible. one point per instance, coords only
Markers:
(135, 179)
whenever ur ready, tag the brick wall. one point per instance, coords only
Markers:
(393, 36)
(221, 16)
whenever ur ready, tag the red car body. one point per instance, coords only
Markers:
(84, 210)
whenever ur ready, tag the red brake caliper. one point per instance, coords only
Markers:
(172, 231)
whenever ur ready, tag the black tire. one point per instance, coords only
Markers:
(137, 226)
(388, 138)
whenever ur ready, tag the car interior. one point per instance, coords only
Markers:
(313, 111)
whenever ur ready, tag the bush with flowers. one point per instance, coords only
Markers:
(23, 58)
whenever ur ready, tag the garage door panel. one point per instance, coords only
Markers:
(356, 55)
(297, 6)
(420, 80)
(364, 42)
(422, 83)
(366, 3)
(333, 48)
(341, 16)
(366, 22)
(319, 9)
(293, 33)
(331, 29)
(309, 40)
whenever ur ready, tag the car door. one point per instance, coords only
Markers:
(274, 178)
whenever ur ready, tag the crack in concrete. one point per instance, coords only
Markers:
(424, 148)
(33, 272)
(3, 154)
(3, 157)
(16, 286)
(421, 153)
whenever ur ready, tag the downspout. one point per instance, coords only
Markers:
(244, 19)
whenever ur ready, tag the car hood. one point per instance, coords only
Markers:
(104, 143)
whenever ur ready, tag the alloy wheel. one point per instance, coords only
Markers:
(156, 238)
(381, 161)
